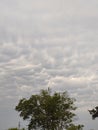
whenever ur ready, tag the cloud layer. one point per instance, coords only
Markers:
(52, 44)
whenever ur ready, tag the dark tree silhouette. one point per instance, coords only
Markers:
(48, 111)
(94, 112)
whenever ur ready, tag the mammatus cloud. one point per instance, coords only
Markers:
(48, 44)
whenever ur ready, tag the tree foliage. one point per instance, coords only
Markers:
(16, 129)
(13, 129)
(94, 112)
(47, 111)
(75, 127)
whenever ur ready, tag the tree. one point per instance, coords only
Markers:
(13, 129)
(47, 111)
(75, 127)
(16, 129)
(94, 112)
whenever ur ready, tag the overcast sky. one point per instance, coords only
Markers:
(48, 43)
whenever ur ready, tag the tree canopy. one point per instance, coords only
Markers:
(94, 112)
(13, 129)
(75, 127)
(47, 111)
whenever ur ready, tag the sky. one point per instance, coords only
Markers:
(48, 43)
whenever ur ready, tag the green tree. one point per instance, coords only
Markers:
(75, 127)
(13, 129)
(47, 111)
(94, 112)
(16, 129)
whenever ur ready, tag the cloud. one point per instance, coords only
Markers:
(49, 43)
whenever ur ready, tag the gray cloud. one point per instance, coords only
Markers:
(48, 44)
